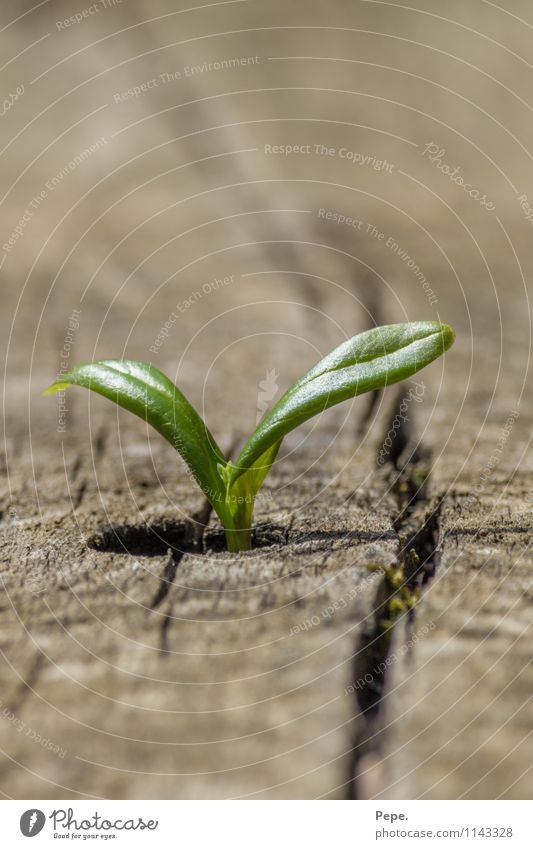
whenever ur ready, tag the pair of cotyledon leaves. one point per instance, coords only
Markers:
(369, 361)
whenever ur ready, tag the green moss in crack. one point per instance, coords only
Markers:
(399, 597)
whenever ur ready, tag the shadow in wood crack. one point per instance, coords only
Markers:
(417, 529)
(147, 540)
(263, 536)
(349, 537)
(154, 540)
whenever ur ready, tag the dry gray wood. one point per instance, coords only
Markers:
(456, 717)
(131, 673)
(232, 686)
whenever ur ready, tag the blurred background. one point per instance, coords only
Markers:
(143, 141)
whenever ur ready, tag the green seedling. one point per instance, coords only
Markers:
(372, 360)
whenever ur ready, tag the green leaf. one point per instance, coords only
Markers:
(145, 391)
(240, 499)
(252, 479)
(372, 360)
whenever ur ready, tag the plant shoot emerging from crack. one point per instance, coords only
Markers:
(372, 360)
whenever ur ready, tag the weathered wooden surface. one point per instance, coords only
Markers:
(209, 694)
(137, 673)
(457, 716)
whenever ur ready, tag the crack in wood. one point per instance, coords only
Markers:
(167, 579)
(372, 304)
(100, 444)
(147, 540)
(489, 529)
(194, 542)
(28, 683)
(76, 466)
(82, 489)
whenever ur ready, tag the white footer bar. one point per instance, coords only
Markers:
(267, 824)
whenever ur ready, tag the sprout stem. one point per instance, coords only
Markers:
(238, 525)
